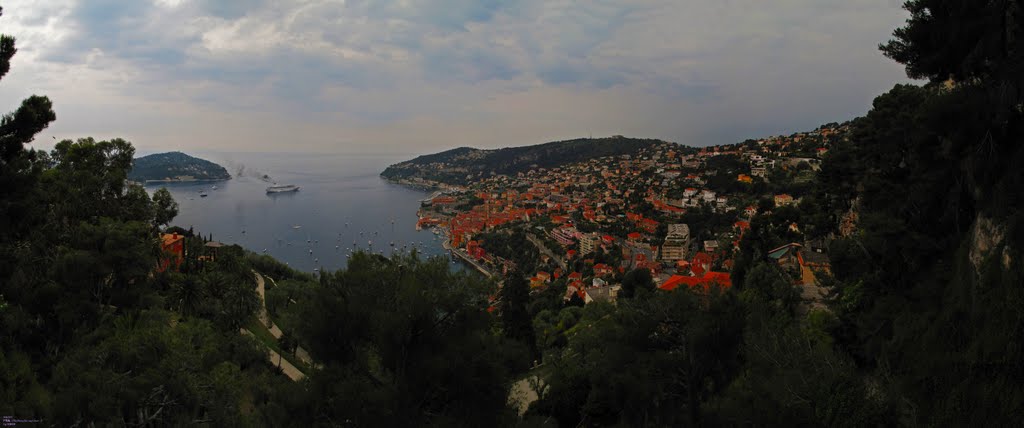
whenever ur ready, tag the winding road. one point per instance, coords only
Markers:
(288, 368)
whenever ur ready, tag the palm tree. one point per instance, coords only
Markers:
(187, 295)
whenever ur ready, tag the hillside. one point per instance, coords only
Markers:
(175, 166)
(462, 165)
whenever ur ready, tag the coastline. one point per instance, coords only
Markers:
(204, 180)
(428, 186)
(437, 189)
(465, 257)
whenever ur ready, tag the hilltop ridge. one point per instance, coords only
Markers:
(462, 165)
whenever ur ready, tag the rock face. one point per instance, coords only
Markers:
(987, 235)
(175, 166)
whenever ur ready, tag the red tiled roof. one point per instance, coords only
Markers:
(722, 279)
(171, 238)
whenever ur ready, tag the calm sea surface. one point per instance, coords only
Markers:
(343, 204)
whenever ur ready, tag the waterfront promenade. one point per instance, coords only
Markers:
(465, 257)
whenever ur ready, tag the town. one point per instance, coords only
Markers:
(676, 212)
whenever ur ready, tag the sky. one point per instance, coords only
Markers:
(420, 76)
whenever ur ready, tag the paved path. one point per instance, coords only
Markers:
(812, 293)
(462, 255)
(289, 370)
(303, 355)
(275, 359)
(522, 394)
(264, 317)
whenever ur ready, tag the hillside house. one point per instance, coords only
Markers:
(172, 246)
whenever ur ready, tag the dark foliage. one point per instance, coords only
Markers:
(458, 164)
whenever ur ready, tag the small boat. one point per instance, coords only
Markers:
(214, 188)
(202, 194)
(296, 227)
(282, 188)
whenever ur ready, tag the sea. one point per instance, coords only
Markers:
(343, 205)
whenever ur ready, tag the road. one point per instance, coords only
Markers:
(289, 370)
(812, 294)
(264, 317)
(544, 249)
(522, 394)
(462, 255)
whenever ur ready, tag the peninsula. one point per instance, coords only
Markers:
(175, 166)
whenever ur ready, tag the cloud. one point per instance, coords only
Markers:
(233, 9)
(436, 72)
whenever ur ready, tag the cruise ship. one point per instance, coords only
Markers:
(280, 188)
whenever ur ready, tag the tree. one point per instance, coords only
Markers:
(769, 290)
(963, 40)
(137, 370)
(288, 342)
(648, 362)
(186, 293)
(164, 206)
(403, 342)
(34, 115)
(515, 320)
(637, 282)
(793, 376)
(19, 169)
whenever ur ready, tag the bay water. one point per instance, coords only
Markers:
(342, 205)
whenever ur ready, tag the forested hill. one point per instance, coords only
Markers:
(462, 165)
(175, 166)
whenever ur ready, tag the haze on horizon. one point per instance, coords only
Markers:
(417, 77)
